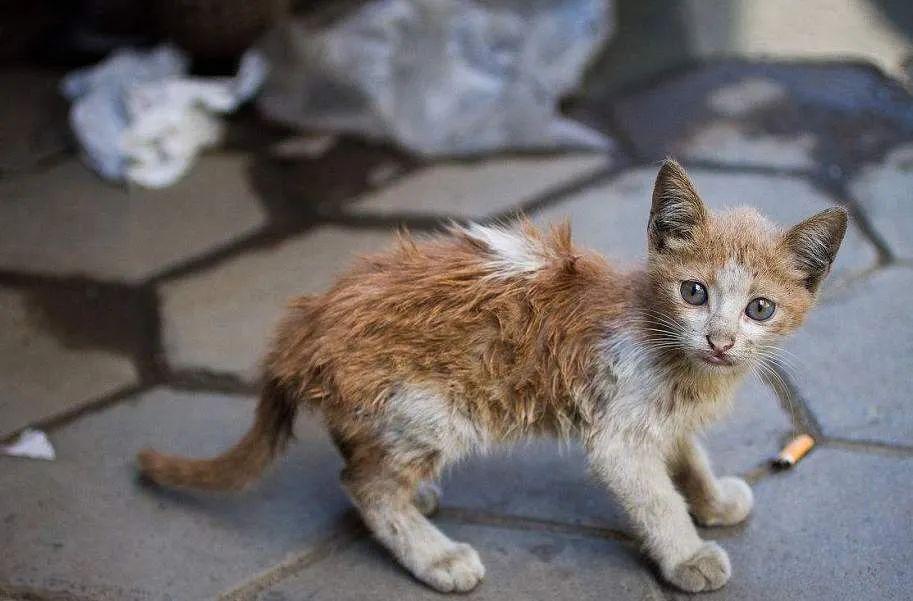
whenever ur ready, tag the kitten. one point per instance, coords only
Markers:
(444, 347)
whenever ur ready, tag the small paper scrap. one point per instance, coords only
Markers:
(31, 443)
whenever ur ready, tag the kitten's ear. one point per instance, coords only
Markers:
(813, 244)
(677, 213)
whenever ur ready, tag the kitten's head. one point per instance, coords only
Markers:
(724, 288)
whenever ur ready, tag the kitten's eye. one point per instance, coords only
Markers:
(694, 293)
(760, 309)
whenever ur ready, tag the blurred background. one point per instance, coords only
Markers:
(172, 172)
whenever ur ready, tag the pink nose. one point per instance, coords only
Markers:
(721, 344)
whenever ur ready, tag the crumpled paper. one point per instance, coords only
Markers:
(440, 77)
(33, 444)
(138, 116)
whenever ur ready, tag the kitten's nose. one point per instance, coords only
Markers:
(721, 344)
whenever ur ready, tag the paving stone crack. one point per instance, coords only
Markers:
(556, 195)
(99, 404)
(530, 524)
(295, 563)
(747, 169)
(260, 239)
(798, 410)
(868, 446)
(15, 593)
(201, 380)
(411, 221)
(837, 190)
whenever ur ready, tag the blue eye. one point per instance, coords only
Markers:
(693, 292)
(760, 309)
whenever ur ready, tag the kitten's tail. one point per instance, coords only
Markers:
(239, 465)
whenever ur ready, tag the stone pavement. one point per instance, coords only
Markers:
(131, 318)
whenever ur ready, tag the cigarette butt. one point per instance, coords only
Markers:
(797, 448)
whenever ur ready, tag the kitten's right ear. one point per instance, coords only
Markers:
(677, 213)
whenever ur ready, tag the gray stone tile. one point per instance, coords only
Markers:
(476, 189)
(770, 114)
(519, 565)
(82, 524)
(612, 218)
(66, 221)
(725, 141)
(221, 319)
(751, 434)
(835, 528)
(746, 95)
(40, 377)
(33, 118)
(885, 193)
(854, 357)
(651, 38)
(549, 481)
(537, 479)
(806, 31)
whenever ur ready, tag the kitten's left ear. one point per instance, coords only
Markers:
(813, 244)
(677, 213)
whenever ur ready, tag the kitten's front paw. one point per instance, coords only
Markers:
(707, 570)
(457, 570)
(731, 507)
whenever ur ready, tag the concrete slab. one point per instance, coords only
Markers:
(541, 480)
(752, 434)
(885, 193)
(549, 481)
(837, 527)
(653, 37)
(811, 30)
(728, 142)
(782, 115)
(83, 526)
(65, 221)
(519, 565)
(40, 377)
(478, 189)
(854, 357)
(221, 319)
(612, 218)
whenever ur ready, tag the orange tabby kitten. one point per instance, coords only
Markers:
(444, 347)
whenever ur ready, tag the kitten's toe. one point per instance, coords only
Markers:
(427, 498)
(732, 506)
(457, 570)
(707, 570)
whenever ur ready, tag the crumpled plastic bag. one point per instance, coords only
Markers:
(440, 77)
(138, 117)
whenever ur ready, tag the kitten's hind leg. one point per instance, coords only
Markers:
(712, 501)
(383, 489)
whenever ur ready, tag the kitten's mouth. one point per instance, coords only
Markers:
(720, 360)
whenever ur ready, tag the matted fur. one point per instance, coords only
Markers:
(443, 346)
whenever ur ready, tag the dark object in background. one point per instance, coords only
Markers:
(216, 30)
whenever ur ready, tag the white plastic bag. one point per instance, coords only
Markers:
(440, 77)
(139, 117)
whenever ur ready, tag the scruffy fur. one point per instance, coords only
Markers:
(443, 347)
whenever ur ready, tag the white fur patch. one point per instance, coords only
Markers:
(513, 254)
(418, 419)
